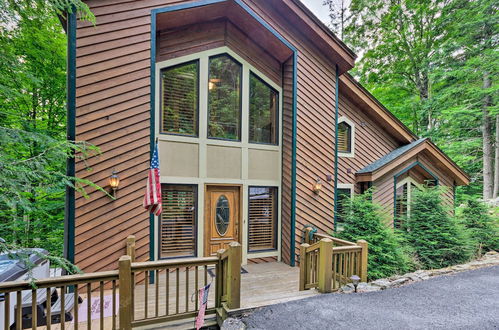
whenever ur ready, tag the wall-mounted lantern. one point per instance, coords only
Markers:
(317, 186)
(114, 182)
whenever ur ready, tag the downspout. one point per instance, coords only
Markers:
(69, 214)
(336, 116)
(152, 128)
(293, 163)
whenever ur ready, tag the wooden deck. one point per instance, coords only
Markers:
(263, 284)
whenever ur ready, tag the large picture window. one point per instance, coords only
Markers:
(224, 98)
(262, 219)
(180, 99)
(262, 112)
(177, 223)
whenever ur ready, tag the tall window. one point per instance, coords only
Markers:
(177, 223)
(180, 99)
(344, 137)
(343, 196)
(262, 112)
(262, 219)
(403, 198)
(224, 100)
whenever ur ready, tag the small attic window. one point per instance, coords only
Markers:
(345, 138)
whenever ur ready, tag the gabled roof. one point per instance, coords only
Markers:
(396, 158)
(390, 157)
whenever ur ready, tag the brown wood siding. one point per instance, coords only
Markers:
(384, 186)
(315, 131)
(113, 94)
(204, 36)
(371, 141)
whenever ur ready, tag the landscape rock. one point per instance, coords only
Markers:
(233, 324)
(400, 281)
(382, 283)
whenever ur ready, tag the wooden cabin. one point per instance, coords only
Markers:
(253, 110)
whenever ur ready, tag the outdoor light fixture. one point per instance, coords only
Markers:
(317, 186)
(114, 182)
(355, 281)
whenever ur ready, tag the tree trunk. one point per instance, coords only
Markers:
(487, 144)
(496, 161)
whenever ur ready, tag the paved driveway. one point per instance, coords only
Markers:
(467, 300)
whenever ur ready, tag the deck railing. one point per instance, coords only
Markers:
(49, 302)
(137, 294)
(327, 263)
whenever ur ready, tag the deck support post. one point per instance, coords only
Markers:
(325, 265)
(130, 247)
(234, 275)
(363, 260)
(125, 281)
(303, 266)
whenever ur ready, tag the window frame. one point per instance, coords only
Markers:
(275, 189)
(408, 182)
(195, 224)
(198, 105)
(350, 123)
(241, 84)
(277, 112)
(342, 186)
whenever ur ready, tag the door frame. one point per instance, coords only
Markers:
(206, 206)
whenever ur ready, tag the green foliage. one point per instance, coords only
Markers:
(483, 227)
(363, 220)
(33, 146)
(426, 61)
(437, 238)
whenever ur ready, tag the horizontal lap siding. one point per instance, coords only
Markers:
(315, 131)
(371, 141)
(384, 186)
(113, 95)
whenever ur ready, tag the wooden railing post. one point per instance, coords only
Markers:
(303, 266)
(325, 265)
(130, 247)
(363, 260)
(234, 276)
(125, 280)
(219, 279)
(306, 239)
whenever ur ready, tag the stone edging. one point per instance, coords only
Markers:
(489, 259)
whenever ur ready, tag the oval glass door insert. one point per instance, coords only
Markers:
(222, 216)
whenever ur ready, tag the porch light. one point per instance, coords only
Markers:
(114, 182)
(317, 186)
(355, 281)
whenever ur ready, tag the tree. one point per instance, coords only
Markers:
(33, 146)
(363, 220)
(438, 239)
(483, 228)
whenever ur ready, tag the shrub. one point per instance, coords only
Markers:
(482, 226)
(363, 220)
(437, 238)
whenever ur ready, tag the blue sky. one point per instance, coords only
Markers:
(318, 9)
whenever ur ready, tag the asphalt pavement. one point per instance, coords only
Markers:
(466, 300)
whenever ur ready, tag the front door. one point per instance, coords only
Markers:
(222, 217)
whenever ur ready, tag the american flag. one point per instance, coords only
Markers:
(152, 199)
(203, 299)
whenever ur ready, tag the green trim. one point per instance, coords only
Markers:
(152, 127)
(69, 219)
(201, 3)
(395, 179)
(336, 117)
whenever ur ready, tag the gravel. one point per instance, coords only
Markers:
(466, 300)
